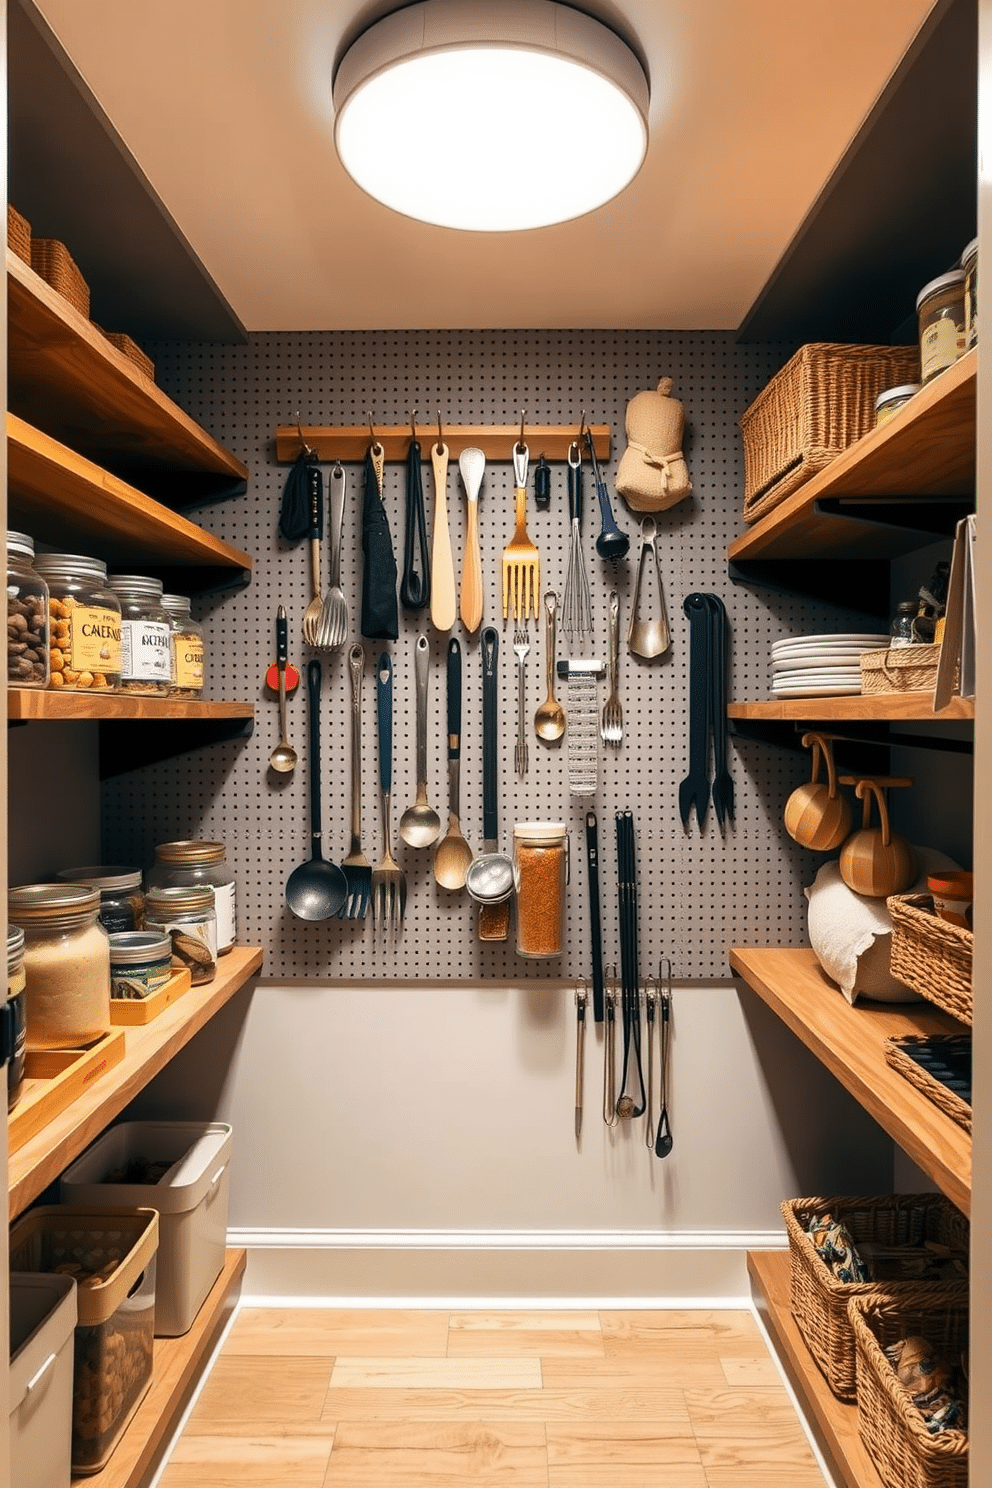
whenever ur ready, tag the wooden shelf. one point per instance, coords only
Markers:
(835, 1423)
(883, 707)
(148, 1050)
(176, 1366)
(850, 1041)
(26, 703)
(67, 379)
(927, 449)
(496, 441)
(61, 498)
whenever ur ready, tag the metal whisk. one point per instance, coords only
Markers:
(576, 611)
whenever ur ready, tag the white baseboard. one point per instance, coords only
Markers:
(530, 1268)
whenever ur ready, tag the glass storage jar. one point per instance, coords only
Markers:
(902, 631)
(146, 636)
(85, 622)
(140, 963)
(540, 873)
(66, 963)
(122, 904)
(14, 1014)
(940, 313)
(894, 398)
(187, 647)
(181, 863)
(187, 915)
(969, 265)
(27, 616)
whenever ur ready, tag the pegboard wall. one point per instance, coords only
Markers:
(697, 894)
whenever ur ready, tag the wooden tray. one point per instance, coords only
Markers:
(53, 1078)
(132, 1011)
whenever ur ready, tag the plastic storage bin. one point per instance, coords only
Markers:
(42, 1320)
(123, 1167)
(112, 1253)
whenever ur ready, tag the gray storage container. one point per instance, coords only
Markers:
(42, 1319)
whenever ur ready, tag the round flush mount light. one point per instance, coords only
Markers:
(490, 117)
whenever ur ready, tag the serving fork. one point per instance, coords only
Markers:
(332, 631)
(356, 866)
(611, 729)
(521, 646)
(388, 878)
(314, 610)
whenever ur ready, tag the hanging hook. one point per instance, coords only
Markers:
(376, 446)
(413, 424)
(582, 425)
(521, 446)
(299, 429)
(440, 435)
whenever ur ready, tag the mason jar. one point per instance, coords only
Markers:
(122, 904)
(540, 873)
(969, 265)
(27, 616)
(84, 643)
(146, 636)
(140, 963)
(187, 915)
(66, 963)
(187, 647)
(940, 313)
(181, 863)
(14, 1014)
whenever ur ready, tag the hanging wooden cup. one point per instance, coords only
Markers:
(875, 862)
(816, 815)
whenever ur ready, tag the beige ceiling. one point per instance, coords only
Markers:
(225, 104)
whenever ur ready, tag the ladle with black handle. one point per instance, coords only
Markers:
(315, 890)
(611, 542)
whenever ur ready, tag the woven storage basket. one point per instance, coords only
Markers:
(898, 1055)
(900, 669)
(132, 351)
(821, 401)
(931, 955)
(53, 261)
(18, 234)
(819, 1300)
(894, 1432)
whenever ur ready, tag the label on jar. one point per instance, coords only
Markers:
(188, 660)
(134, 982)
(194, 945)
(940, 346)
(226, 916)
(94, 639)
(146, 651)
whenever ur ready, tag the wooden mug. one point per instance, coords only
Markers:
(875, 861)
(816, 815)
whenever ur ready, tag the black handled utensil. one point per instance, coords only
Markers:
(694, 790)
(415, 587)
(722, 789)
(595, 924)
(664, 1140)
(317, 889)
(611, 542)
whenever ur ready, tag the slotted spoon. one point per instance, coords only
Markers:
(332, 632)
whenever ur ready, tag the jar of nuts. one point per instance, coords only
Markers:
(187, 647)
(146, 636)
(85, 622)
(27, 616)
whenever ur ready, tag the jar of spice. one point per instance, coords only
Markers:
(122, 904)
(14, 1015)
(84, 622)
(540, 872)
(902, 631)
(969, 265)
(146, 636)
(27, 616)
(198, 863)
(940, 313)
(140, 963)
(894, 398)
(66, 963)
(187, 647)
(187, 916)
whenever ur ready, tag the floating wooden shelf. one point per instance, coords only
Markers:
(496, 441)
(147, 1050)
(862, 505)
(850, 1041)
(26, 702)
(67, 379)
(913, 707)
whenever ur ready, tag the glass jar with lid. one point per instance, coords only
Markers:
(180, 863)
(969, 265)
(122, 904)
(140, 963)
(187, 647)
(146, 636)
(66, 963)
(892, 399)
(902, 631)
(540, 873)
(187, 915)
(27, 615)
(14, 1015)
(84, 644)
(940, 312)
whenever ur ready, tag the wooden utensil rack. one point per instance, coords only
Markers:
(348, 444)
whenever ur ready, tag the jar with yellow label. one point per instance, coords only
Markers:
(85, 622)
(940, 312)
(13, 1021)
(146, 636)
(187, 647)
(969, 264)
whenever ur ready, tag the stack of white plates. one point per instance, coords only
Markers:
(821, 665)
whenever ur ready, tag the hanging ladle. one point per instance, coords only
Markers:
(315, 890)
(611, 542)
(489, 879)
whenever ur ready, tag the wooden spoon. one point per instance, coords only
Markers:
(875, 862)
(472, 465)
(442, 563)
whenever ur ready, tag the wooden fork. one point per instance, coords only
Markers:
(521, 560)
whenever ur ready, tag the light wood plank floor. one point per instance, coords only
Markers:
(425, 1399)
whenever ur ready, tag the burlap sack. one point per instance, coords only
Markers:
(652, 473)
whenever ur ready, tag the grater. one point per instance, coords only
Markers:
(583, 723)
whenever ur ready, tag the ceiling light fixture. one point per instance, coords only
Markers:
(490, 117)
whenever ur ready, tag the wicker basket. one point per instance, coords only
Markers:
(931, 955)
(899, 1054)
(900, 669)
(132, 351)
(821, 401)
(894, 1432)
(819, 1300)
(53, 261)
(18, 234)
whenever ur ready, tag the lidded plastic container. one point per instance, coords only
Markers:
(540, 873)
(146, 636)
(193, 862)
(85, 622)
(894, 398)
(14, 1015)
(122, 904)
(940, 314)
(27, 616)
(187, 914)
(969, 264)
(42, 1321)
(66, 963)
(187, 647)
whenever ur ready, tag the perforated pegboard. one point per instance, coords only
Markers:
(697, 895)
